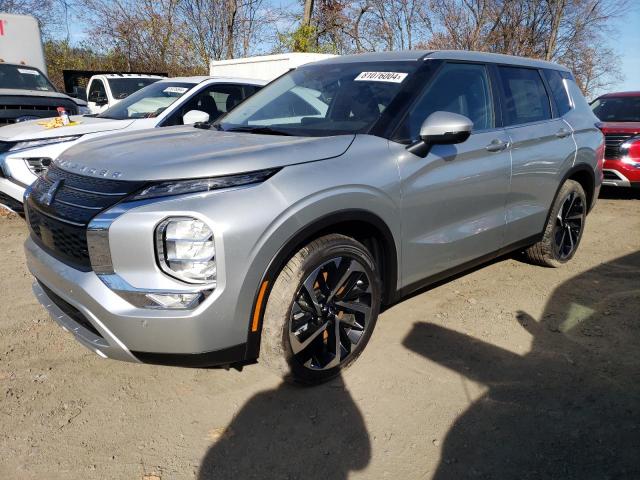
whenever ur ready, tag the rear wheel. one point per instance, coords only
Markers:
(564, 228)
(321, 310)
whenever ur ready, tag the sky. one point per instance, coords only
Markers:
(625, 41)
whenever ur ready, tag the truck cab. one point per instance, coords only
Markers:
(104, 91)
(25, 91)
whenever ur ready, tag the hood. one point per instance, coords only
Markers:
(188, 152)
(31, 130)
(619, 127)
(18, 92)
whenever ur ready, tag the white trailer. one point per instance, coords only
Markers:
(21, 42)
(264, 67)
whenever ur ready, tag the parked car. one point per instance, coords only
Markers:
(25, 91)
(282, 229)
(26, 149)
(106, 90)
(620, 117)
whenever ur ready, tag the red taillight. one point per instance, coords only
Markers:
(630, 150)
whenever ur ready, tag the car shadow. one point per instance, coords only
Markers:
(619, 193)
(568, 409)
(292, 432)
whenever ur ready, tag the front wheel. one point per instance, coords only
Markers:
(564, 228)
(321, 310)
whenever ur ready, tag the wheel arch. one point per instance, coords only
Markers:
(362, 225)
(584, 175)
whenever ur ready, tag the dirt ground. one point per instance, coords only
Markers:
(510, 371)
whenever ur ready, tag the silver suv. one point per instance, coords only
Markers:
(282, 229)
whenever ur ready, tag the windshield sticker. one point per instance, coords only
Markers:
(394, 77)
(28, 71)
(179, 90)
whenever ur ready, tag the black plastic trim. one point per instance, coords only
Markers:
(451, 273)
(227, 356)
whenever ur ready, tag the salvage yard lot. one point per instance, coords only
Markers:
(510, 371)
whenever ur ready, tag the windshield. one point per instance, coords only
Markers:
(322, 100)
(148, 102)
(123, 87)
(24, 78)
(617, 109)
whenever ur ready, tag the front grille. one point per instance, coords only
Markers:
(71, 311)
(19, 107)
(609, 175)
(58, 218)
(613, 142)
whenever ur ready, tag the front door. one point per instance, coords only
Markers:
(453, 200)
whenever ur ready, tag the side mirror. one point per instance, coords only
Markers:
(195, 116)
(100, 101)
(441, 128)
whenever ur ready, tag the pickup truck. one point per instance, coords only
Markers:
(25, 91)
(105, 91)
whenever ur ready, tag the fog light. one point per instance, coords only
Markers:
(174, 300)
(186, 249)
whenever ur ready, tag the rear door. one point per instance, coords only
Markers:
(542, 149)
(453, 200)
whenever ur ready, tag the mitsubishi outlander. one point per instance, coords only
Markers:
(279, 231)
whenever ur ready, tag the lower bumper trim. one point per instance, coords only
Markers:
(217, 358)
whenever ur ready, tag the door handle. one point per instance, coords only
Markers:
(562, 133)
(497, 145)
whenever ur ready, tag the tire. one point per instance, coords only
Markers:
(348, 298)
(565, 226)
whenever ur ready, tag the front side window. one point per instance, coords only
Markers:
(215, 100)
(97, 91)
(322, 100)
(617, 109)
(148, 102)
(525, 96)
(123, 87)
(457, 88)
(23, 78)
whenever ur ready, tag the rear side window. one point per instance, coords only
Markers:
(526, 98)
(558, 91)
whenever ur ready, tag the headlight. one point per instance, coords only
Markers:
(83, 110)
(186, 250)
(165, 189)
(40, 142)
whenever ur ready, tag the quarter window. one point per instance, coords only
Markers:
(558, 90)
(458, 88)
(526, 98)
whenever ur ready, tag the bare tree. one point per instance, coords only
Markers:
(571, 32)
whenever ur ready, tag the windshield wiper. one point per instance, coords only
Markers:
(259, 130)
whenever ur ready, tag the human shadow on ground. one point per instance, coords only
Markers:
(292, 433)
(568, 409)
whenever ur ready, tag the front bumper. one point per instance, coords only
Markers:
(620, 174)
(119, 331)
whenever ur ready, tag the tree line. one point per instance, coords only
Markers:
(180, 37)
